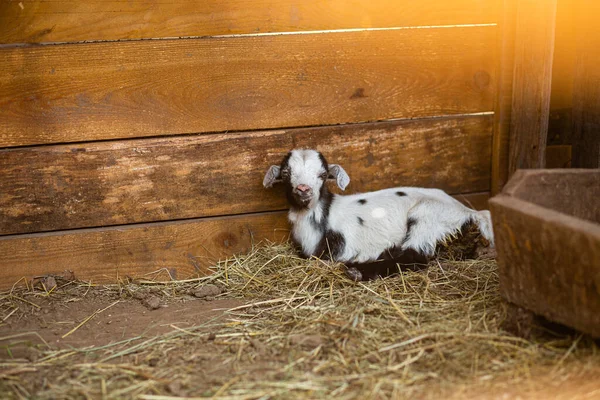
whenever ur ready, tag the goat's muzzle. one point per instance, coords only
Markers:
(303, 194)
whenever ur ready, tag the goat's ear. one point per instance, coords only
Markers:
(272, 176)
(341, 177)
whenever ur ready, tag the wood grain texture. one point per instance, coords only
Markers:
(180, 249)
(109, 183)
(547, 227)
(505, 50)
(572, 192)
(85, 20)
(560, 127)
(534, 49)
(162, 250)
(548, 262)
(565, 46)
(559, 156)
(586, 93)
(86, 92)
(476, 201)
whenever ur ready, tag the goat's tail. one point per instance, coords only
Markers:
(484, 221)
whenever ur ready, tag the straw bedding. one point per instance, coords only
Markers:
(304, 330)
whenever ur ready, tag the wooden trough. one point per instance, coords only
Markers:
(547, 227)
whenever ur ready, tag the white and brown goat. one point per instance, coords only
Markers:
(367, 231)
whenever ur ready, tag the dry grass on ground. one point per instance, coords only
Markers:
(303, 330)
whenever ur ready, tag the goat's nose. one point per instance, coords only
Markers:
(303, 188)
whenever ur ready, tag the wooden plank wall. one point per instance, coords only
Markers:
(560, 127)
(87, 20)
(534, 50)
(121, 156)
(505, 49)
(586, 87)
(573, 138)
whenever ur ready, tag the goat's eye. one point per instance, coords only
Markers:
(323, 176)
(285, 174)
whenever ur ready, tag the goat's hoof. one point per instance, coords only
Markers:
(354, 274)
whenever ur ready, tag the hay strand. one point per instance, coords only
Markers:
(88, 318)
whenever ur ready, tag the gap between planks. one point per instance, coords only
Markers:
(238, 131)
(124, 227)
(241, 35)
(178, 249)
(464, 198)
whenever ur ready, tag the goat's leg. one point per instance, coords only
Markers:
(389, 264)
(484, 221)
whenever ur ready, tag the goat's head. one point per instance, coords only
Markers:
(304, 173)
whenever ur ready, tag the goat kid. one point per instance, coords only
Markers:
(369, 232)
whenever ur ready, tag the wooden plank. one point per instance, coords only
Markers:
(505, 50)
(86, 92)
(179, 249)
(534, 49)
(86, 20)
(586, 93)
(560, 127)
(558, 156)
(565, 46)
(476, 201)
(109, 183)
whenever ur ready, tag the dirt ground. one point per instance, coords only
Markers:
(160, 342)
(120, 319)
(76, 317)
